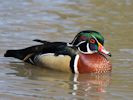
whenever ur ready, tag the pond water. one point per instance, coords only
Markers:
(21, 21)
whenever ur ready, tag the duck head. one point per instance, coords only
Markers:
(89, 42)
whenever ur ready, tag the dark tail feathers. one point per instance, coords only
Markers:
(15, 53)
(24, 53)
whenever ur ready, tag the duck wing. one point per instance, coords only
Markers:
(28, 54)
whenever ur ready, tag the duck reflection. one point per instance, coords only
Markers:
(83, 85)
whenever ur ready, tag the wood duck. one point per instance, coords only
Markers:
(85, 54)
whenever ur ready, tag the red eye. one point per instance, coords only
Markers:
(92, 41)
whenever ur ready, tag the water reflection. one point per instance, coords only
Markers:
(91, 82)
(77, 85)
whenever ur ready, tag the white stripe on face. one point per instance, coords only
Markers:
(95, 38)
(80, 43)
(88, 49)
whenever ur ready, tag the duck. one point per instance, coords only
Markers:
(84, 54)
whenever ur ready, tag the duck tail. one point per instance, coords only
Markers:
(14, 53)
(23, 54)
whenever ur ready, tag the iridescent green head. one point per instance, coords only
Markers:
(89, 41)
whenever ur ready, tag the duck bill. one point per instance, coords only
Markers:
(103, 50)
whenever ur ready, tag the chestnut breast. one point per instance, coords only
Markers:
(93, 63)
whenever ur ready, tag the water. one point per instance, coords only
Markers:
(21, 21)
